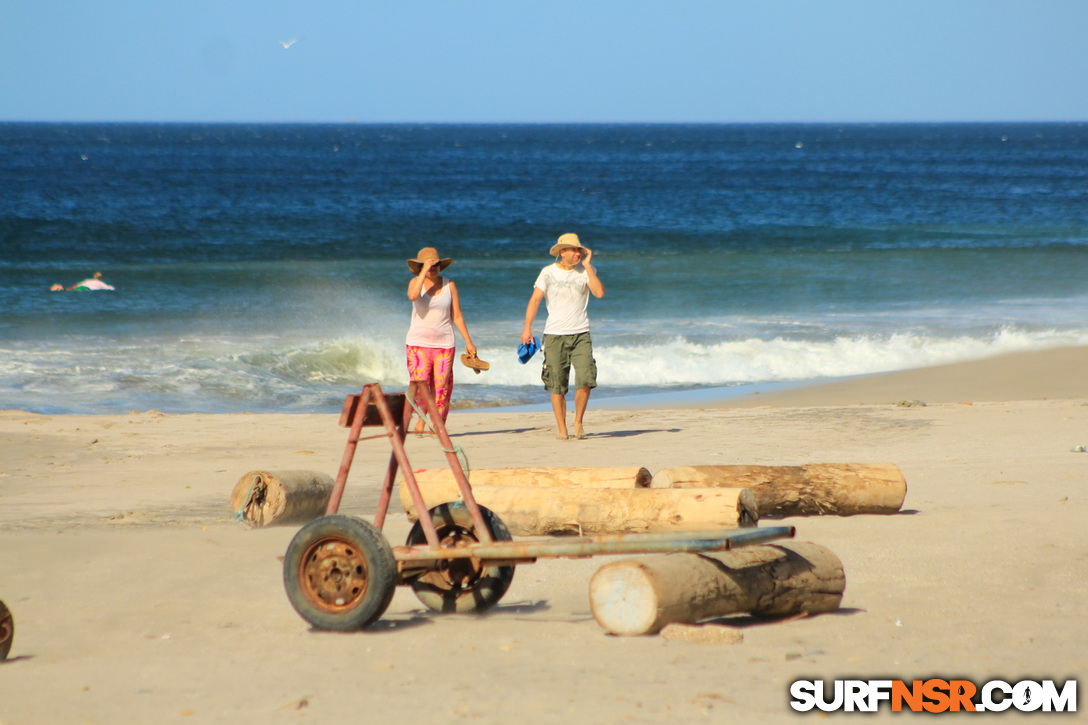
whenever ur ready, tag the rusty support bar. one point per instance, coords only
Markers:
(349, 454)
(391, 471)
(585, 546)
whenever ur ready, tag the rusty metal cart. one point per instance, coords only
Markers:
(7, 630)
(340, 572)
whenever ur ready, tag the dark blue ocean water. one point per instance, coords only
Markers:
(262, 267)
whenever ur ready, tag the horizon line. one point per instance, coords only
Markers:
(546, 123)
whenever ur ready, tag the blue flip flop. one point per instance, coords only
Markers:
(526, 351)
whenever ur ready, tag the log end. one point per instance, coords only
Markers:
(623, 600)
(248, 497)
(661, 479)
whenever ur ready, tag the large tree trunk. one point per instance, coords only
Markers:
(642, 595)
(809, 490)
(266, 498)
(607, 477)
(537, 511)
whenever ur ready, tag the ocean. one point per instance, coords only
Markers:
(262, 268)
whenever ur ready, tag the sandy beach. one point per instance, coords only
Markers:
(138, 599)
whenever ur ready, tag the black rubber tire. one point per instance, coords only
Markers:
(458, 585)
(339, 573)
(7, 631)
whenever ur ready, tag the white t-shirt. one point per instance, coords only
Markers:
(432, 321)
(566, 293)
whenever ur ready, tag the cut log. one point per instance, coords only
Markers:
(606, 477)
(267, 498)
(813, 489)
(643, 595)
(541, 511)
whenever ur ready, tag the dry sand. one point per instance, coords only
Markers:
(137, 598)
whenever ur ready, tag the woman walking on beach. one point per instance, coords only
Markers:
(436, 310)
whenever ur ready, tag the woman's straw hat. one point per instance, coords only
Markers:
(567, 241)
(428, 253)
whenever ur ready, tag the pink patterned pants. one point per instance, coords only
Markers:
(434, 366)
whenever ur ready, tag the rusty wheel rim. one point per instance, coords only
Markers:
(7, 631)
(333, 574)
(455, 574)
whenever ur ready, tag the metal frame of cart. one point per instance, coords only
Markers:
(340, 572)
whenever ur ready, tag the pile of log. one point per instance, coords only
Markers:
(560, 501)
(644, 595)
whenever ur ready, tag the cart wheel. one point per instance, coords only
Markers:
(461, 585)
(339, 573)
(7, 631)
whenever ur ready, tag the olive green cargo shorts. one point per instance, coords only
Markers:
(560, 353)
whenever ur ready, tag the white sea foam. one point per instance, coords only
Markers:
(680, 362)
(223, 375)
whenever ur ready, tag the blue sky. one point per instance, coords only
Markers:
(544, 61)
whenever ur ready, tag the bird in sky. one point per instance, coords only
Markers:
(288, 43)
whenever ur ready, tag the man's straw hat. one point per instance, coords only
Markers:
(567, 241)
(428, 253)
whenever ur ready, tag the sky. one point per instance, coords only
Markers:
(544, 61)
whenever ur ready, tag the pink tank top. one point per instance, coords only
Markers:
(432, 323)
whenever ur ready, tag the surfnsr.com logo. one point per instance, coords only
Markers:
(934, 695)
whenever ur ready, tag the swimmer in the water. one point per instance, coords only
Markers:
(92, 283)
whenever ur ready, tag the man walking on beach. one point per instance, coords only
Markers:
(565, 287)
